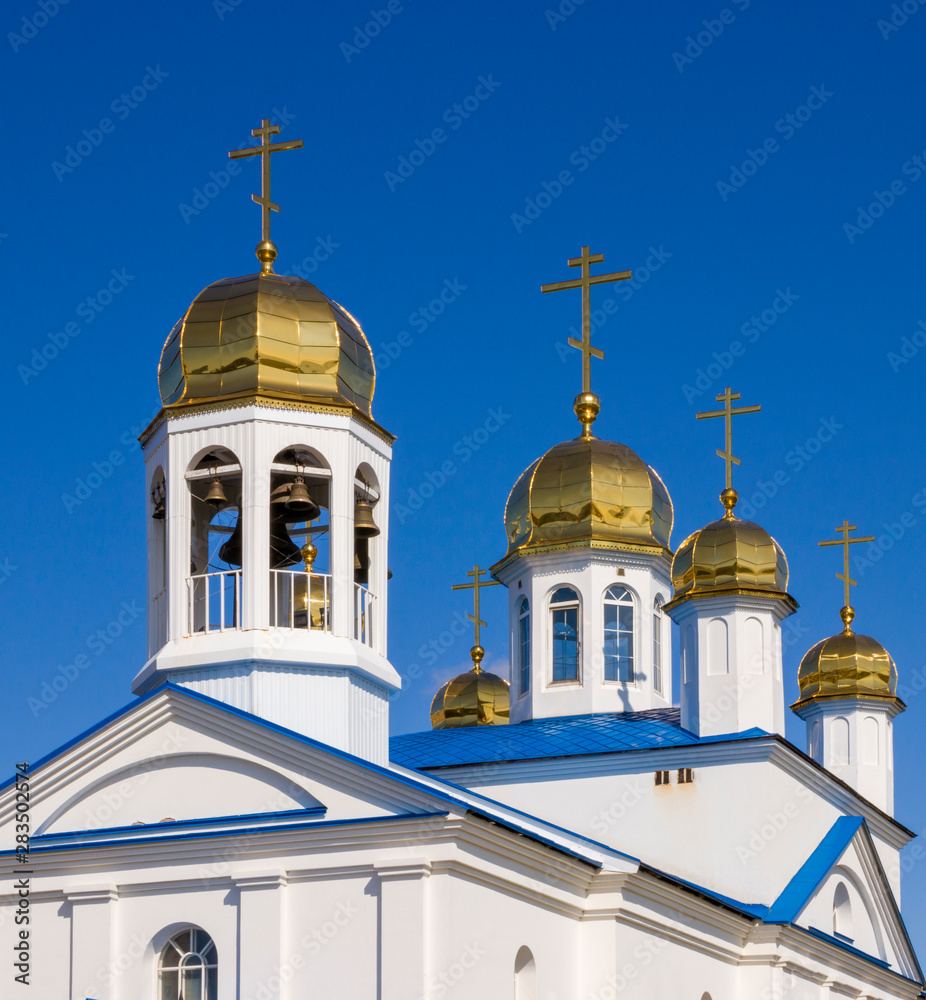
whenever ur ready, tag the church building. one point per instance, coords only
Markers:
(244, 829)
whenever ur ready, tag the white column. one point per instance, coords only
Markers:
(403, 921)
(341, 546)
(92, 921)
(255, 509)
(260, 935)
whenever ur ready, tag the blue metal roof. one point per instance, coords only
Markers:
(566, 736)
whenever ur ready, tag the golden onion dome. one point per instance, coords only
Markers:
(474, 698)
(730, 556)
(269, 336)
(588, 492)
(847, 666)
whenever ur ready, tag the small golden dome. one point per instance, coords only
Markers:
(730, 556)
(847, 666)
(475, 698)
(589, 492)
(270, 336)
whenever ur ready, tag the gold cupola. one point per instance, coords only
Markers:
(588, 493)
(270, 337)
(474, 698)
(730, 556)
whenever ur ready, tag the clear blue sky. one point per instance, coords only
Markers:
(740, 172)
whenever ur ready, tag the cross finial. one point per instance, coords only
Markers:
(477, 652)
(266, 251)
(587, 404)
(848, 612)
(729, 496)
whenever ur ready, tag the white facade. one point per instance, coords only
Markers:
(853, 738)
(731, 673)
(535, 578)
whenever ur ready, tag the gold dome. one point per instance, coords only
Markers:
(847, 666)
(475, 698)
(589, 492)
(730, 556)
(270, 336)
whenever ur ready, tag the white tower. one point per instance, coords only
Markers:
(848, 701)
(587, 567)
(269, 485)
(730, 584)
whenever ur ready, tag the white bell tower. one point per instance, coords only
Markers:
(269, 495)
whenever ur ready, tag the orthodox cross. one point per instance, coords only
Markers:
(475, 587)
(728, 412)
(264, 150)
(847, 580)
(585, 283)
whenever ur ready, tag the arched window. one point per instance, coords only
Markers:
(839, 740)
(657, 645)
(618, 635)
(524, 646)
(564, 611)
(188, 967)
(525, 975)
(842, 912)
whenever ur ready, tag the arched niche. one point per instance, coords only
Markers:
(525, 975)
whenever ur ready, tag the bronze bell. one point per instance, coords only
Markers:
(231, 550)
(299, 501)
(283, 550)
(364, 525)
(160, 509)
(216, 495)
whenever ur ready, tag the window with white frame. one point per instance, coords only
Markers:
(657, 645)
(188, 967)
(524, 646)
(564, 615)
(618, 635)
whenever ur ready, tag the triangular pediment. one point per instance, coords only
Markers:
(842, 894)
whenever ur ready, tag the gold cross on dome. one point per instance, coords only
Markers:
(585, 282)
(264, 150)
(847, 580)
(475, 587)
(728, 413)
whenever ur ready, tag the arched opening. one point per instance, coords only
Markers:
(366, 550)
(214, 584)
(618, 635)
(842, 913)
(564, 615)
(523, 646)
(658, 620)
(157, 564)
(525, 975)
(300, 545)
(188, 967)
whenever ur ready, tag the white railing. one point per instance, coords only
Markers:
(300, 600)
(363, 614)
(157, 622)
(214, 601)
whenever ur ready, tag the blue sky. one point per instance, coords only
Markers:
(759, 170)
